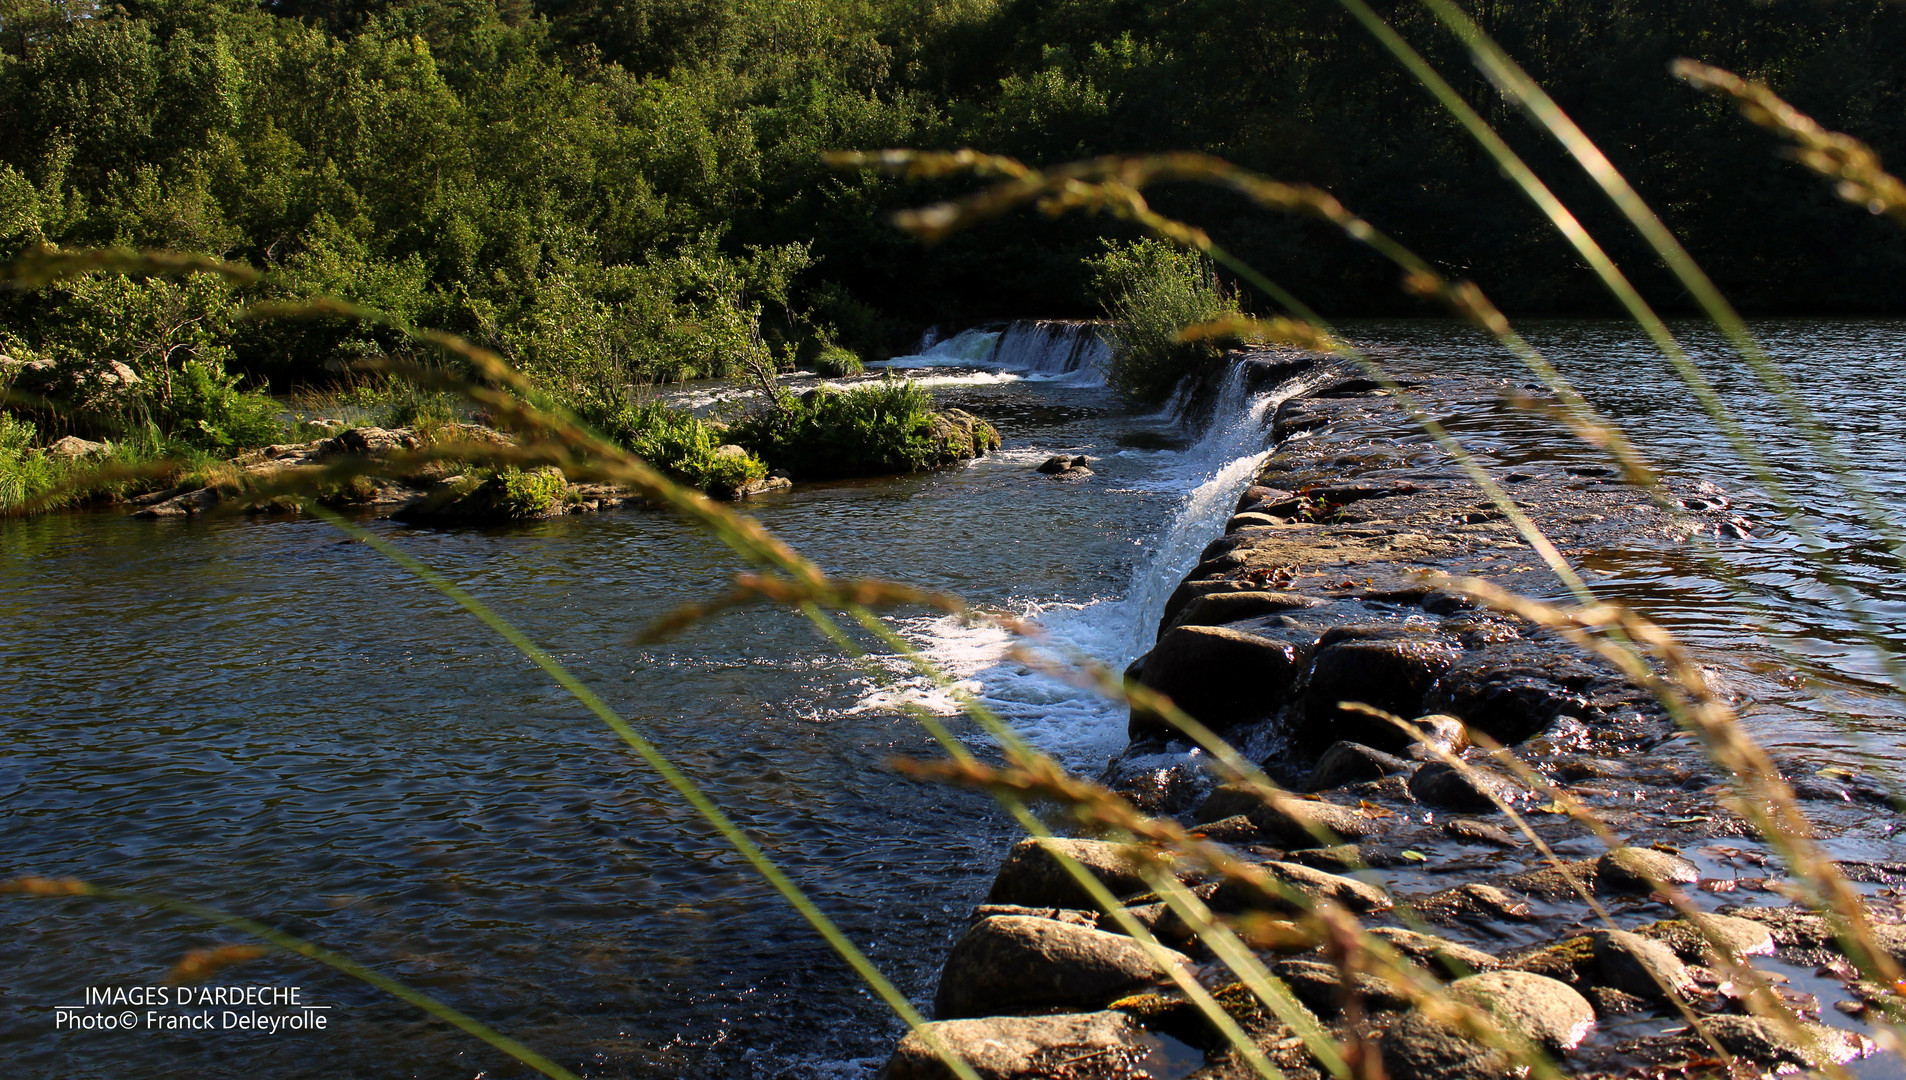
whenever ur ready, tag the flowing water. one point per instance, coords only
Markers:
(269, 718)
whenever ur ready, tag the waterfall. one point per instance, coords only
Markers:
(1052, 347)
(1075, 725)
(1044, 349)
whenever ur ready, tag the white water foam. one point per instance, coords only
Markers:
(1047, 350)
(1071, 723)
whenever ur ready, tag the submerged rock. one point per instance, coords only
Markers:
(1062, 465)
(1012, 963)
(1017, 1047)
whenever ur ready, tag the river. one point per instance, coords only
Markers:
(267, 717)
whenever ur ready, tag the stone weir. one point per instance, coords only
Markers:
(1314, 595)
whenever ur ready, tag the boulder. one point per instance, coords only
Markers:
(1347, 762)
(1032, 877)
(1015, 964)
(1061, 464)
(1509, 703)
(1388, 673)
(960, 435)
(1633, 869)
(1015, 1047)
(1467, 789)
(1694, 943)
(188, 504)
(1633, 964)
(1222, 677)
(1442, 734)
(1542, 1010)
(72, 446)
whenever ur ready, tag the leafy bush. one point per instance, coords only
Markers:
(529, 494)
(835, 362)
(675, 441)
(1152, 290)
(25, 472)
(204, 408)
(887, 427)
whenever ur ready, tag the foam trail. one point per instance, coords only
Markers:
(1077, 726)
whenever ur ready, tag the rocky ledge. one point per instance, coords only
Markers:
(437, 493)
(1314, 595)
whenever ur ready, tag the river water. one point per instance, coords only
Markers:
(269, 718)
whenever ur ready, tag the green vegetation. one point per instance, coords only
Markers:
(533, 494)
(1151, 290)
(884, 427)
(836, 362)
(676, 442)
(626, 191)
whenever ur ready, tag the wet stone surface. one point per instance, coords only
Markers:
(1317, 594)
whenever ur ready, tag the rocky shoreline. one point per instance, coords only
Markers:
(443, 492)
(1313, 595)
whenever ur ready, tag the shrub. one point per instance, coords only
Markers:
(529, 494)
(204, 409)
(1151, 291)
(25, 472)
(675, 441)
(835, 362)
(887, 427)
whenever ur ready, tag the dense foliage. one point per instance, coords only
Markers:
(1151, 291)
(622, 192)
(880, 427)
(675, 441)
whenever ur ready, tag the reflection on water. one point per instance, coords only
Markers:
(275, 720)
(1794, 652)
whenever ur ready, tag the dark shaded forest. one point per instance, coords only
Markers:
(569, 180)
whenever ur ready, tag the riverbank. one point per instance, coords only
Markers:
(1311, 596)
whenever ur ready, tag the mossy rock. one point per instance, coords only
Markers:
(507, 496)
(1172, 1014)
